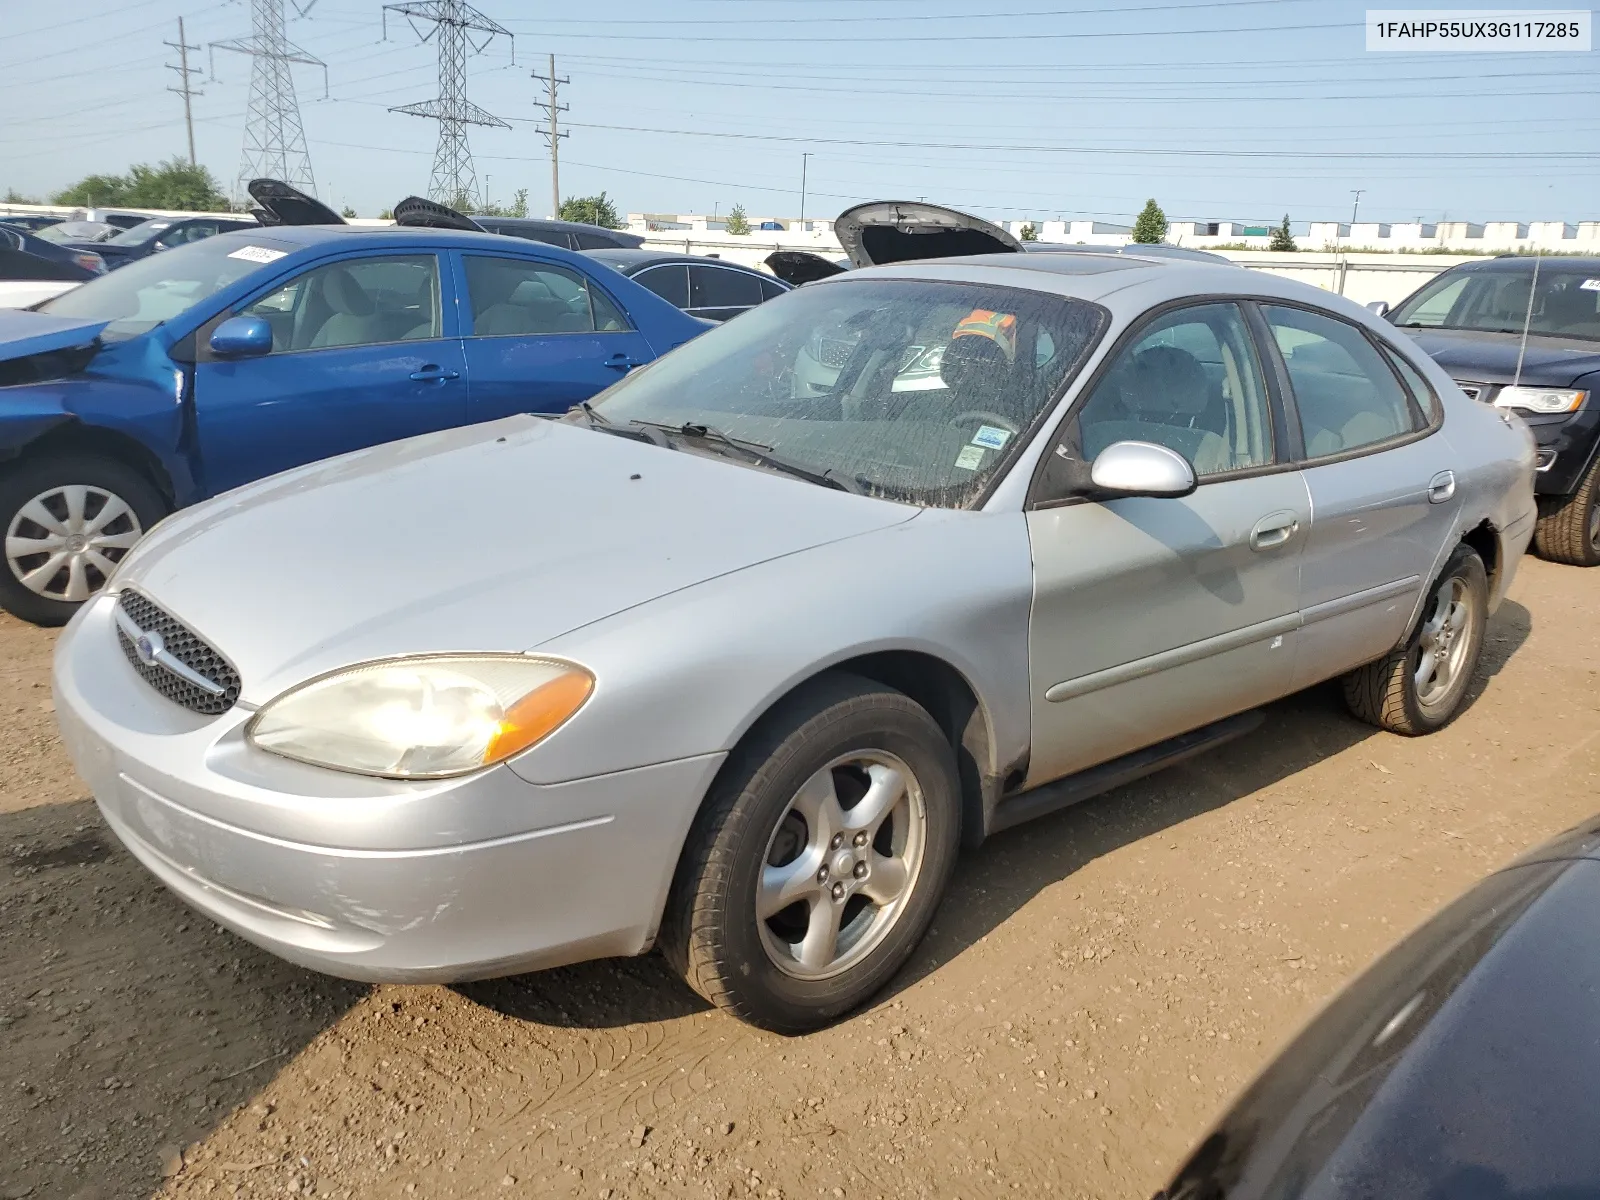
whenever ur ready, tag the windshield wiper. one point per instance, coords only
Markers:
(595, 419)
(756, 452)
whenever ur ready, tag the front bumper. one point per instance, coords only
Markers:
(371, 879)
(1567, 444)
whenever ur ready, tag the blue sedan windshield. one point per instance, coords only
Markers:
(138, 297)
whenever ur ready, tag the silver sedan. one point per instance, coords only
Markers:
(733, 661)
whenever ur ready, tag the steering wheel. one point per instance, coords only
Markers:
(984, 416)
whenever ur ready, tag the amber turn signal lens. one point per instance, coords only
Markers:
(538, 714)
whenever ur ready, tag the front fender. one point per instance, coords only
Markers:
(691, 672)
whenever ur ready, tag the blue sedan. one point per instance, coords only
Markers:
(189, 373)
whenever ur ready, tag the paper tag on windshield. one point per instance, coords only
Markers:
(1590, 285)
(257, 254)
(990, 437)
(969, 458)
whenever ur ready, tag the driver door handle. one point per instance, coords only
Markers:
(1441, 487)
(433, 373)
(1274, 530)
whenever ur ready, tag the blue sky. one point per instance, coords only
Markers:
(1227, 109)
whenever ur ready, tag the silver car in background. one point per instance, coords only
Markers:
(732, 668)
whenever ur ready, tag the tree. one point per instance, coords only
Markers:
(591, 210)
(737, 223)
(174, 184)
(1150, 228)
(13, 196)
(517, 208)
(1282, 239)
(1030, 232)
(347, 211)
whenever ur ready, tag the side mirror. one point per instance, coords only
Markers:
(242, 337)
(1381, 307)
(1140, 469)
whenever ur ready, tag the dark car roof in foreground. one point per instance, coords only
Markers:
(306, 236)
(1524, 262)
(1462, 1066)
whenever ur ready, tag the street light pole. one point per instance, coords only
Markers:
(1355, 208)
(805, 161)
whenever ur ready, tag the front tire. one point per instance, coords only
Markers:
(66, 523)
(819, 858)
(1569, 526)
(1420, 687)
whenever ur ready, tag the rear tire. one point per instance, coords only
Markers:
(1569, 526)
(65, 523)
(818, 859)
(1418, 688)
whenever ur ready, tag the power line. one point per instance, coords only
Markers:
(453, 180)
(184, 70)
(552, 134)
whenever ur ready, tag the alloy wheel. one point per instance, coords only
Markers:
(1445, 644)
(65, 542)
(841, 864)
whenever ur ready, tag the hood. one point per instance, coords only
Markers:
(891, 231)
(796, 267)
(279, 204)
(1492, 357)
(416, 211)
(26, 333)
(494, 537)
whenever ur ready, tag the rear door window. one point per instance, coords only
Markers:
(719, 287)
(593, 241)
(1347, 396)
(517, 297)
(771, 289)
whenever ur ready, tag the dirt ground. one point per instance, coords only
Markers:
(1096, 987)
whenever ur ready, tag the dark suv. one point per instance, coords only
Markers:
(1524, 334)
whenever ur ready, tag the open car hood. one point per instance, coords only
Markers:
(795, 267)
(416, 211)
(279, 204)
(891, 231)
(27, 333)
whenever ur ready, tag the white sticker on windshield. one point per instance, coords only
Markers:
(969, 458)
(258, 254)
(1590, 285)
(990, 437)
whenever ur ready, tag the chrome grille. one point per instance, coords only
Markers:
(179, 643)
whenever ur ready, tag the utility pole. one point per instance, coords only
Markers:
(1355, 208)
(805, 161)
(184, 70)
(552, 132)
(453, 181)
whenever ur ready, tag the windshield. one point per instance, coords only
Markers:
(907, 389)
(76, 231)
(145, 231)
(1565, 304)
(138, 297)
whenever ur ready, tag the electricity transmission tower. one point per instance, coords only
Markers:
(453, 181)
(184, 70)
(274, 142)
(552, 134)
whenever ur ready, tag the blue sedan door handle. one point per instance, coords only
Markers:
(621, 362)
(434, 373)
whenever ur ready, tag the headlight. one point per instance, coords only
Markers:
(1539, 400)
(423, 718)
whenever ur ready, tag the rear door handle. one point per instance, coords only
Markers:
(621, 362)
(1273, 530)
(434, 373)
(1441, 487)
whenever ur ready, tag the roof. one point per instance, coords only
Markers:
(626, 260)
(1513, 262)
(1139, 283)
(308, 236)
